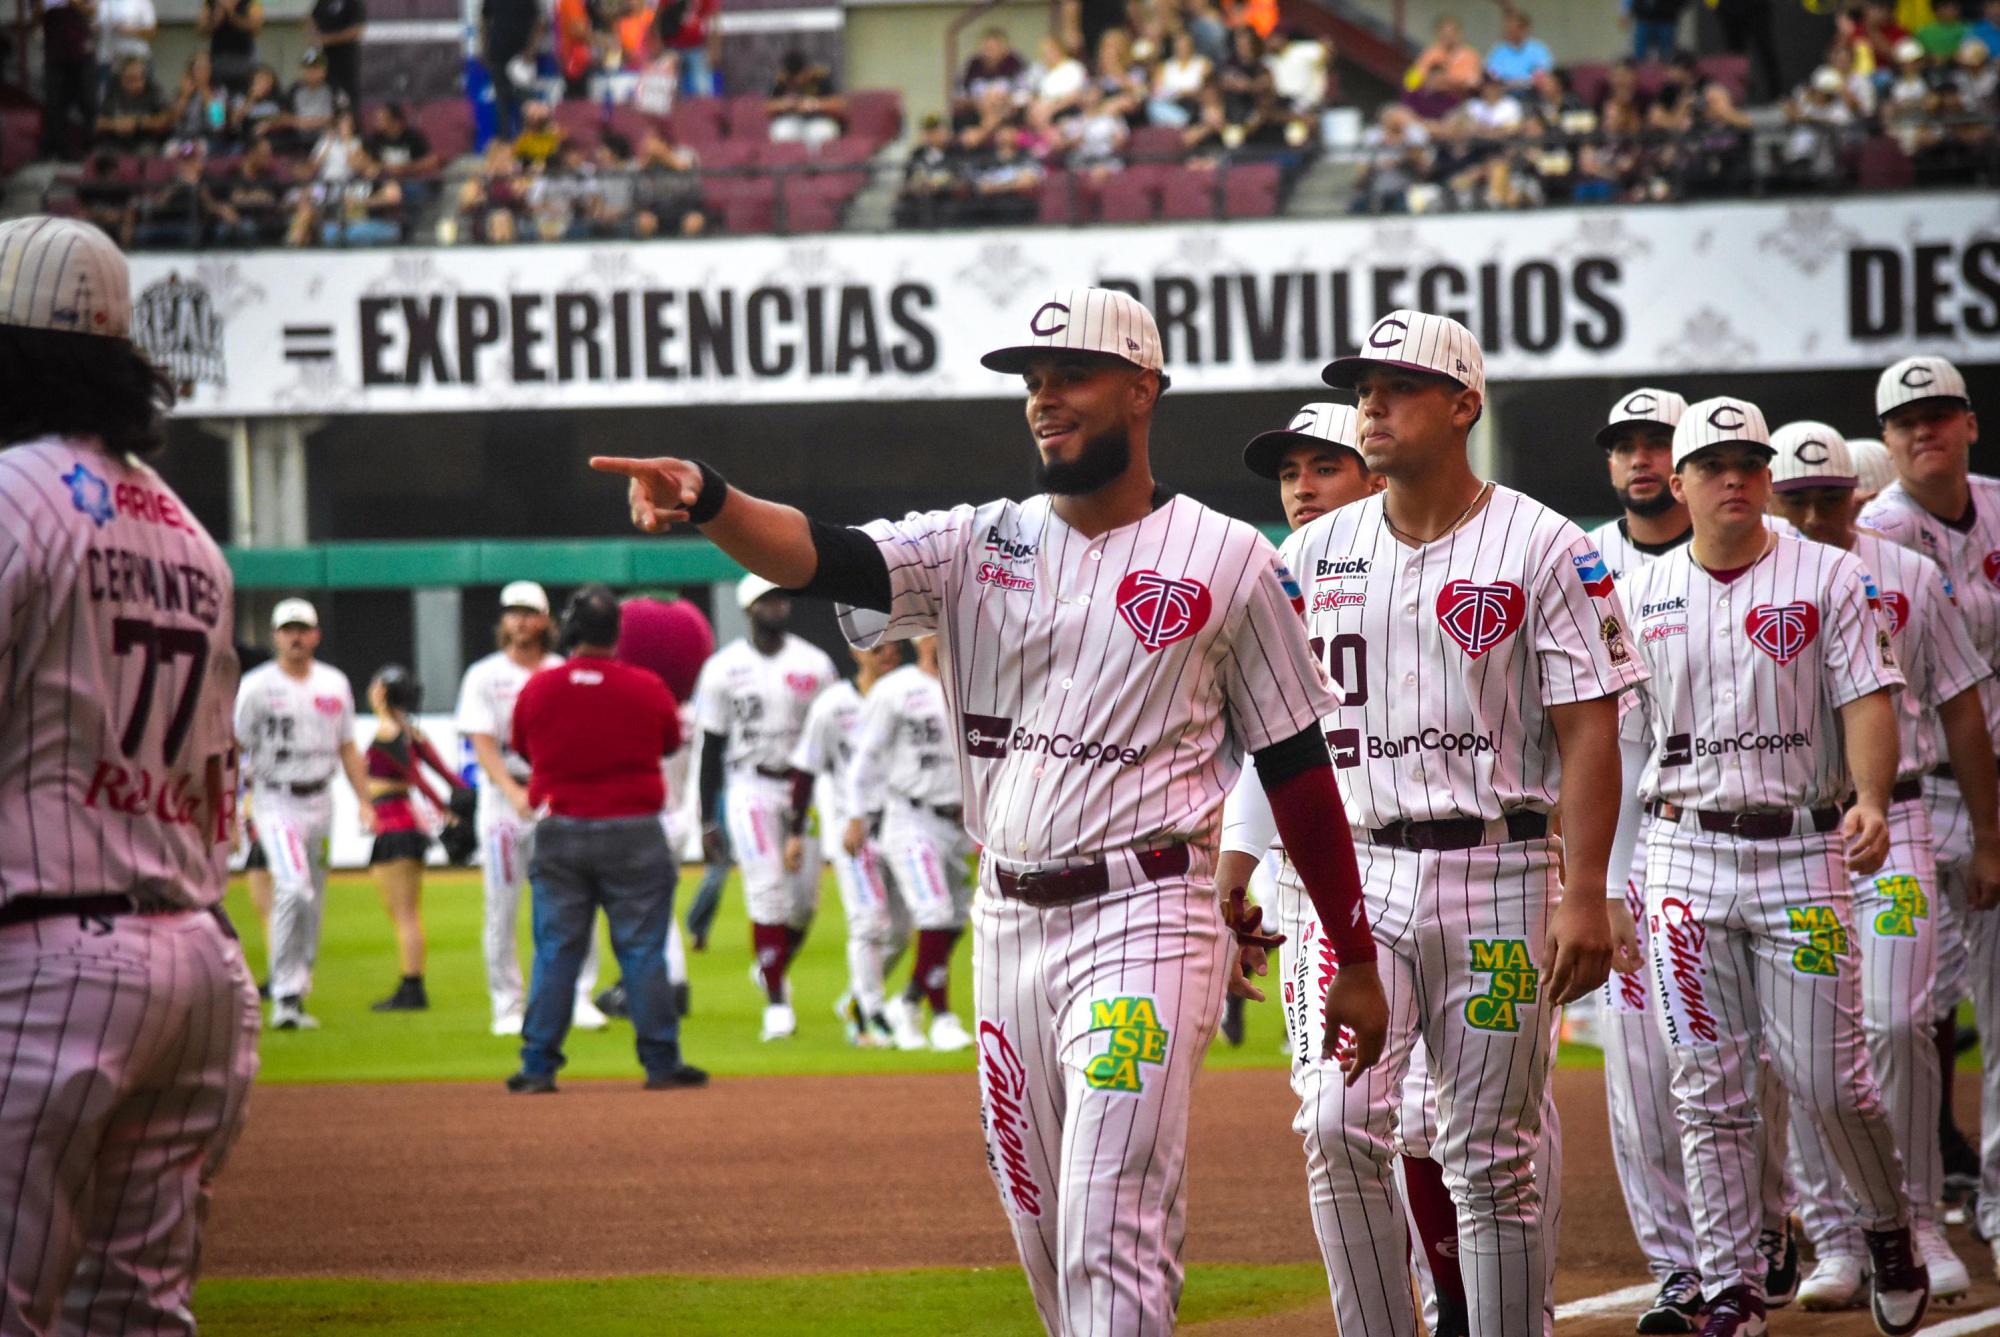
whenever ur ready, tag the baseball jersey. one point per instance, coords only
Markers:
(826, 746)
(1622, 553)
(758, 702)
(1969, 558)
(117, 670)
(486, 705)
(1748, 678)
(291, 729)
(902, 749)
(1103, 691)
(1933, 647)
(1446, 658)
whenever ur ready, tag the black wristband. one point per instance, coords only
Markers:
(714, 492)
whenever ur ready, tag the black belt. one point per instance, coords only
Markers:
(1943, 771)
(1903, 791)
(951, 812)
(1063, 885)
(1766, 825)
(306, 790)
(774, 772)
(1457, 833)
(27, 909)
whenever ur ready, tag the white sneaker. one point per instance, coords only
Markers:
(288, 1016)
(948, 1033)
(901, 1014)
(779, 1023)
(586, 1017)
(507, 1023)
(1835, 1283)
(1949, 1277)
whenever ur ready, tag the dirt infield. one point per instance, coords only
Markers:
(785, 1175)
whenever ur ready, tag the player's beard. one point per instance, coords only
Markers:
(1102, 461)
(1658, 504)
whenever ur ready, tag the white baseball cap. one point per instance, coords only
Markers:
(1320, 422)
(1086, 320)
(1645, 404)
(1873, 469)
(752, 588)
(1417, 341)
(1810, 454)
(290, 611)
(1719, 422)
(63, 274)
(1916, 378)
(525, 594)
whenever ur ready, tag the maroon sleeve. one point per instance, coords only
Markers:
(428, 755)
(802, 792)
(1313, 825)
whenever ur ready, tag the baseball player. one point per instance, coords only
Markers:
(1873, 469)
(876, 920)
(506, 820)
(903, 769)
(127, 1015)
(751, 701)
(1771, 700)
(1109, 651)
(1478, 651)
(1952, 516)
(1814, 482)
(295, 726)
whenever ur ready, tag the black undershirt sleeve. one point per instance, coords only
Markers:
(850, 570)
(1286, 758)
(710, 784)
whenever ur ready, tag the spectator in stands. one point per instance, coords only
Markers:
(1876, 35)
(1672, 109)
(356, 207)
(1555, 106)
(69, 76)
(1986, 29)
(1209, 28)
(510, 32)
(487, 200)
(125, 31)
(1058, 79)
(255, 194)
(1095, 137)
(1941, 37)
(176, 213)
(1822, 121)
(403, 152)
(994, 63)
(1858, 88)
(666, 194)
(634, 26)
(201, 106)
(1495, 114)
(689, 29)
(338, 154)
(559, 195)
(1450, 63)
(993, 110)
(1748, 25)
(1302, 72)
(1907, 103)
(232, 27)
(1177, 82)
(1209, 137)
(1435, 98)
(1620, 108)
(1006, 183)
(803, 106)
(1656, 26)
(134, 117)
(1518, 54)
(539, 137)
(257, 113)
(335, 27)
(933, 177)
(1397, 150)
(309, 106)
(1976, 76)
(614, 172)
(582, 42)
(104, 197)
(1244, 76)
(1125, 84)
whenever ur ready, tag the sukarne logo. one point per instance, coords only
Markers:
(984, 735)
(992, 573)
(1325, 601)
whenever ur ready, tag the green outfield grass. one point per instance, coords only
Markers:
(992, 1302)
(450, 1042)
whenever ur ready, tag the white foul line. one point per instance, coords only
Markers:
(1611, 1302)
(1979, 1322)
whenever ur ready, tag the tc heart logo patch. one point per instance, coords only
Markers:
(1897, 605)
(1992, 567)
(1478, 616)
(1162, 609)
(1782, 631)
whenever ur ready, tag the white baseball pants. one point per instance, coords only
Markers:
(506, 841)
(755, 809)
(1093, 1017)
(922, 851)
(1974, 967)
(294, 831)
(876, 919)
(1753, 939)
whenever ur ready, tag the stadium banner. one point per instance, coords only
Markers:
(1753, 287)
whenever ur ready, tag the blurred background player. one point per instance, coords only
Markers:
(506, 817)
(751, 702)
(128, 1018)
(904, 769)
(396, 757)
(877, 921)
(1813, 486)
(295, 726)
(1873, 469)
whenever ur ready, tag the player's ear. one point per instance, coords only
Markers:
(1376, 482)
(1145, 390)
(1676, 486)
(1468, 408)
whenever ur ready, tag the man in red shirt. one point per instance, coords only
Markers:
(594, 731)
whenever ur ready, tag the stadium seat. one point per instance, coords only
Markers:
(579, 120)
(699, 121)
(846, 149)
(20, 132)
(1250, 190)
(1188, 193)
(1730, 69)
(1061, 200)
(1651, 75)
(1882, 165)
(809, 206)
(634, 124)
(447, 123)
(782, 155)
(1587, 79)
(750, 214)
(1129, 197)
(1154, 143)
(725, 154)
(748, 119)
(875, 114)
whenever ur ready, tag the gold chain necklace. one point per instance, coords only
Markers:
(1463, 516)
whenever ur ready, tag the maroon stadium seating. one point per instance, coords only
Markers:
(1250, 190)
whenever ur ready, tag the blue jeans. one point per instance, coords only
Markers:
(622, 864)
(1659, 38)
(697, 76)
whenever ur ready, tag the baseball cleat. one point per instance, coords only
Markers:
(408, 997)
(1677, 1308)
(684, 1078)
(1902, 1288)
(848, 1010)
(779, 1023)
(948, 1033)
(1780, 1251)
(904, 1028)
(1949, 1278)
(507, 1023)
(879, 1033)
(1232, 1021)
(1737, 1312)
(531, 1084)
(1835, 1283)
(289, 1014)
(586, 1017)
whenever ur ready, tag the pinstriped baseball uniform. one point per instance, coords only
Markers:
(130, 1038)
(758, 703)
(290, 731)
(1747, 681)
(876, 921)
(1968, 943)
(1893, 924)
(903, 768)
(1447, 658)
(1104, 692)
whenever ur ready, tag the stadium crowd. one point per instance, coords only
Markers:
(611, 123)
